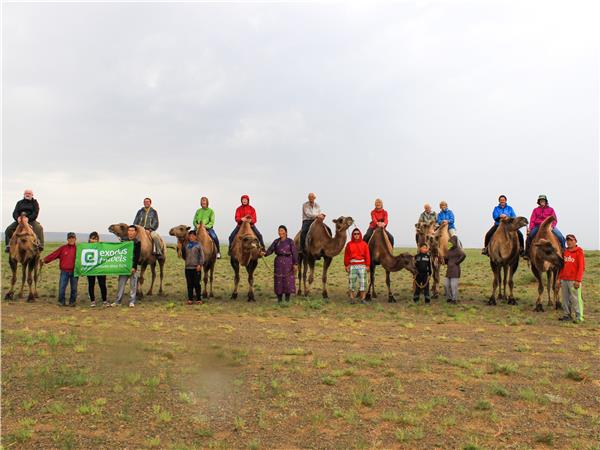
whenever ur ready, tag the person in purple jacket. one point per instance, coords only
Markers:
(286, 264)
(538, 215)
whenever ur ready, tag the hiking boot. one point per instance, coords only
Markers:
(132, 305)
(427, 300)
(484, 251)
(105, 304)
(565, 318)
(522, 254)
(72, 304)
(7, 249)
(92, 304)
(199, 302)
(115, 304)
(190, 302)
(218, 256)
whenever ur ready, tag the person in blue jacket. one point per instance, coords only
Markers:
(501, 211)
(446, 215)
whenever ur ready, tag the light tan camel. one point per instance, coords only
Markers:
(24, 250)
(546, 256)
(245, 251)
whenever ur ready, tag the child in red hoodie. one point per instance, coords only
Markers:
(570, 278)
(357, 260)
(66, 255)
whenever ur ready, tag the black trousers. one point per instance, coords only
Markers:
(192, 278)
(421, 279)
(491, 231)
(92, 284)
(304, 231)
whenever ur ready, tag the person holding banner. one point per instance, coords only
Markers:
(133, 277)
(66, 255)
(91, 279)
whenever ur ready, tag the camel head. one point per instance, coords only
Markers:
(425, 232)
(249, 243)
(406, 261)
(342, 223)
(547, 252)
(514, 223)
(180, 232)
(119, 230)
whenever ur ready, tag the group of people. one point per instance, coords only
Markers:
(356, 255)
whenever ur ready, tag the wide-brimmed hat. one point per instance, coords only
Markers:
(542, 197)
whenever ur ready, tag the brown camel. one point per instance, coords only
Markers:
(503, 251)
(320, 244)
(244, 251)
(24, 250)
(437, 238)
(546, 255)
(382, 253)
(147, 258)
(208, 248)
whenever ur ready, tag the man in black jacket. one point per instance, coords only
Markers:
(147, 217)
(133, 278)
(30, 207)
(423, 266)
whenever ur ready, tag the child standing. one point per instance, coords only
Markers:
(454, 258)
(66, 255)
(570, 278)
(94, 238)
(423, 266)
(194, 258)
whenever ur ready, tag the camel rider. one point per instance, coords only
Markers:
(30, 208)
(379, 218)
(446, 215)
(207, 216)
(310, 211)
(538, 215)
(245, 213)
(147, 217)
(500, 212)
(428, 215)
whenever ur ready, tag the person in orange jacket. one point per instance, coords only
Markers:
(357, 260)
(245, 213)
(570, 278)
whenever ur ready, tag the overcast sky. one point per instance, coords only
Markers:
(413, 102)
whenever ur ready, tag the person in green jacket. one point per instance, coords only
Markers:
(207, 216)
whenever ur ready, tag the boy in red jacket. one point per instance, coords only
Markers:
(357, 260)
(570, 278)
(66, 255)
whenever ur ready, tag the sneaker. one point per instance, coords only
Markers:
(132, 305)
(427, 300)
(190, 302)
(92, 305)
(115, 304)
(218, 256)
(105, 304)
(199, 302)
(61, 304)
(72, 304)
(565, 318)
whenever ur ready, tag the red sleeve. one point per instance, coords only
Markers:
(580, 266)
(531, 219)
(385, 218)
(554, 222)
(347, 255)
(253, 215)
(373, 223)
(367, 255)
(238, 215)
(52, 256)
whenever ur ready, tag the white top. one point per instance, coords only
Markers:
(310, 212)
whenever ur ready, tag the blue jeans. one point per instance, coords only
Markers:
(556, 232)
(213, 236)
(67, 278)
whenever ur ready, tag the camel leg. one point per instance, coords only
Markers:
(511, 285)
(373, 291)
(30, 269)
(13, 267)
(556, 290)
(161, 265)
(140, 291)
(504, 281)
(205, 281)
(311, 275)
(250, 269)
(212, 272)
(492, 299)
(371, 282)
(300, 265)
(388, 282)
(326, 263)
(236, 277)
(436, 279)
(538, 302)
(153, 272)
(36, 277)
(24, 275)
(549, 288)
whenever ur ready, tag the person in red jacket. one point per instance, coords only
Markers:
(570, 278)
(245, 213)
(66, 255)
(357, 260)
(379, 218)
